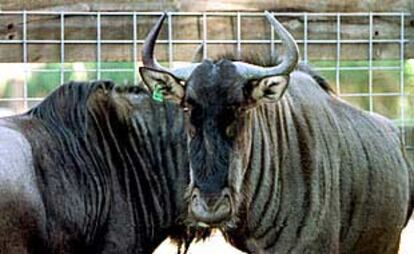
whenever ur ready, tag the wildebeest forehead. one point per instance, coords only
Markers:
(215, 84)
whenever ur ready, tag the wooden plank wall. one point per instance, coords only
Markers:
(213, 5)
(121, 28)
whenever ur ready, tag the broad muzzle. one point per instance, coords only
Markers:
(210, 208)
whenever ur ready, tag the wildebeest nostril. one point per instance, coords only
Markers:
(224, 202)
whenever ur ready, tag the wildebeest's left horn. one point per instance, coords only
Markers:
(289, 62)
(199, 54)
(149, 60)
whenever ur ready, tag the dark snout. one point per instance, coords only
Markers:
(210, 208)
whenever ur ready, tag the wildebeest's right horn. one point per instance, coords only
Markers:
(149, 60)
(289, 62)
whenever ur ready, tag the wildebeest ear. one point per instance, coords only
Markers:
(163, 82)
(267, 89)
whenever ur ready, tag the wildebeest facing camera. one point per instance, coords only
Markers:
(278, 163)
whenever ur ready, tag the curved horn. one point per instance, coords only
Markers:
(149, 60)
(290, 59)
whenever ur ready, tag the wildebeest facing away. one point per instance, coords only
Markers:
(94, 168)
(279, 163)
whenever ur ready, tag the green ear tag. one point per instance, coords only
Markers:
(157, 94)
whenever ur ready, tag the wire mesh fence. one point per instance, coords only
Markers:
(366, 57)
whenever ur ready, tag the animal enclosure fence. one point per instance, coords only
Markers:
(368, 58)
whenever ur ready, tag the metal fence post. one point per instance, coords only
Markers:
(134, 47)
(402, 81)
(98, 45)
(338, 54)
(25, 61)
(62, 47)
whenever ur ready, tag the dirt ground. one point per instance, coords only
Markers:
(216, 244)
